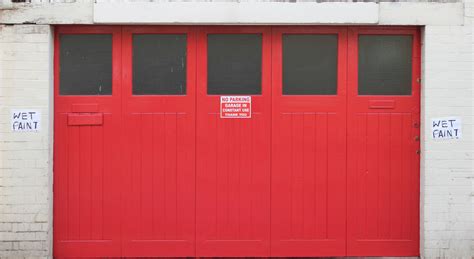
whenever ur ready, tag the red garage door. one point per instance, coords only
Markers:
(87, 132)
(152, 156)
(309, 141)
(383, 142)
(158, 113)
(233, 155)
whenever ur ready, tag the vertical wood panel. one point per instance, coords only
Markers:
(384, 175)
(73, 183)
(61, 175)
(85, 182)
(112, 176)
(297, 176)
(360, 151)
(309, 160)
(321, 175)
(374, 162)
(406, 175)
(147, 174)
(396, 185)
(158, 210)
(171, 183)
(135, 174)
(97, 160)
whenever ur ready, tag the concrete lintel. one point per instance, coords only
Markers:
(421, 13)
(233, 13)
(47, 13)
(383, 13)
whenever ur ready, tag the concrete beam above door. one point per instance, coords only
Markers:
(278, 13)
(236, 13)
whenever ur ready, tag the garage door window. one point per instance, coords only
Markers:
(309, 64)
(85, 64)
(159, 64)
(234, 64)
(385, 64)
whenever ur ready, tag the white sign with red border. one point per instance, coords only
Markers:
(236, 107)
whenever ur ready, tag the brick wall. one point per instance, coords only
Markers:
(447, 166)
(25, 165)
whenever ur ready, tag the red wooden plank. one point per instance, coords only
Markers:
(74, 191)
(296, 176)
(147, 174)
(85, 183)
(221, 183)
(376, 139)
(336, 179)
(97, 160)
(186, 178)
(309, 181)
(61, 166)
(135, 172)
(112, 187)
(159, 177)
(171, 160)
(234, 175)
(405, 174)
(321, 199)
(246, 177)
(360, 153)
(382, 186)
(396, 185)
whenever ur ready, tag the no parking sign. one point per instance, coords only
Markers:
(236, 106)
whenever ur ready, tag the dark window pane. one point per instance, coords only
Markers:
(309, 64)
(159, 64)
(85, 64)
(234, 64)
(385, 65)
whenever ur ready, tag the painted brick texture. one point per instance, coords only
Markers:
(447, 166)
(25, 167)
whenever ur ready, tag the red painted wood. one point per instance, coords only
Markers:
(86, 210)
(308, 163)
(233, 164)
(159, 155)
(383, 166)
(85, 119)
(306, 176)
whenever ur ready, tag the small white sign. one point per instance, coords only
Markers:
(236, 107)
(446, 128)
(25, 120)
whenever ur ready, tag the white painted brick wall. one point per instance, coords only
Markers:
(447, 187)
(25, 168)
